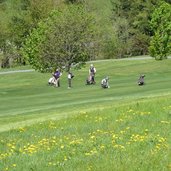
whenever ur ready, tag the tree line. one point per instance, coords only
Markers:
(51, 33)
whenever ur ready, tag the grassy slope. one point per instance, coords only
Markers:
(129, 137)
(25, 98)
(126, 127)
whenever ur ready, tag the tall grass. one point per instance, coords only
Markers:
(129, 137)
(126, 127)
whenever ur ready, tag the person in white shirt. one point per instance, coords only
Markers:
(105, 82)
(92, 72)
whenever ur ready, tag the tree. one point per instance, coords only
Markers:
(18, 17)
(160, 44)
(65, 38)
(28, 14)
(131, 18)
(74, 1)
(5, 49)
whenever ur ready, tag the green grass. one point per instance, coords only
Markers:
(126, 127)
(129, 137)
(26, 96)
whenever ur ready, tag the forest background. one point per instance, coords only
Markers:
(124, 28)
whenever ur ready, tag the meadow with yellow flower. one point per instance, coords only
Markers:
(126, 127)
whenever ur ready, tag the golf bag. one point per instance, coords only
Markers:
(52, 81)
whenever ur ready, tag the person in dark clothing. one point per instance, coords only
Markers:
(89, 80)
(70, 77)
(141, 80)
(57, 74)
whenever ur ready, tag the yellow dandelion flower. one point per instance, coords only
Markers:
(115, 146)
(122, 147)
(13, 147)
(14, 165)
(158, 146)
(90, 168)
(130, 110)
(165, 122)
(21, 129)
(122, 132)
(62, 146)
(87, 154)
(92, 137)
(102, 146)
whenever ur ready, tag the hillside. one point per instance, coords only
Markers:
(126, 127)
(26, 98)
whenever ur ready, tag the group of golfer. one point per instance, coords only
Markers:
(55, 80)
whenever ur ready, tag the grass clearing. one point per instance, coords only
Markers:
(129, 137)
(126, 127)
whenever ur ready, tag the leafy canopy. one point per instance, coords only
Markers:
(160, 44)
(67, 36)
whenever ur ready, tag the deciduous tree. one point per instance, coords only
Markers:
(65, 38)
(160, 44)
